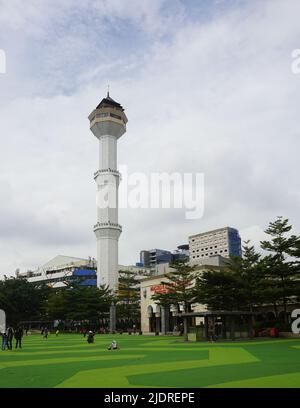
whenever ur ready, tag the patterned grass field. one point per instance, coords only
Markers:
(68, 361)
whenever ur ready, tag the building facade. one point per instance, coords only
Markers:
(163, 320)
(182, 253)
(153, 257)
(225, 242)
(65, 271)
(156, 319)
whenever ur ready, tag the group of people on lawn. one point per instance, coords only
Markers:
(90, 339)
(9, 335)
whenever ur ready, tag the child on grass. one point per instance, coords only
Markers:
(113, 346)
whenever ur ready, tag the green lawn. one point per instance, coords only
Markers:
(68, 361)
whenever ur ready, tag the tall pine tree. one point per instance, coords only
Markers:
(128, 298)
(248, 275)
(279, 266)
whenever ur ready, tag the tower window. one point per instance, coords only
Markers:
(115, 116)
(102, 115)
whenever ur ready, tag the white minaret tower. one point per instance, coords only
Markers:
(108, 123)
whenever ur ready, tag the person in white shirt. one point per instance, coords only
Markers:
(113, 346)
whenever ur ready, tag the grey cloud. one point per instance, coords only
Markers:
(217, 97)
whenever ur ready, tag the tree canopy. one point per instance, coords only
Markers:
(128, 296)
(178, 286)
(257, 278)
(22, 300)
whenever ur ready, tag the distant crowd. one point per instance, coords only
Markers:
(10, 334)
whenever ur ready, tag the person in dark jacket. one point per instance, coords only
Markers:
(18, 337)
(10, 336)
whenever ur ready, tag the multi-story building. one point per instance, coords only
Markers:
(225, 242)
(63, 271)
(182, 253)
(153, 257)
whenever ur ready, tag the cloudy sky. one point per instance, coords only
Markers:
(207, 86)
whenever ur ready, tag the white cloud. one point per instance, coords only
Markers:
(216, 96)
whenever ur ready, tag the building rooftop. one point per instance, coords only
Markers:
(212, 231)
(198, 268)
(108, 101)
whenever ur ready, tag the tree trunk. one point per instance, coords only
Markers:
(251, 310)
(185, 328)
(232, 328)
(163, 320)
(275, 310)
(284, 299)
(250, 327)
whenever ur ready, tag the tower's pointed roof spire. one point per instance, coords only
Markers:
(109, 101)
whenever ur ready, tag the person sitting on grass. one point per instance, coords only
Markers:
(113, 346)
